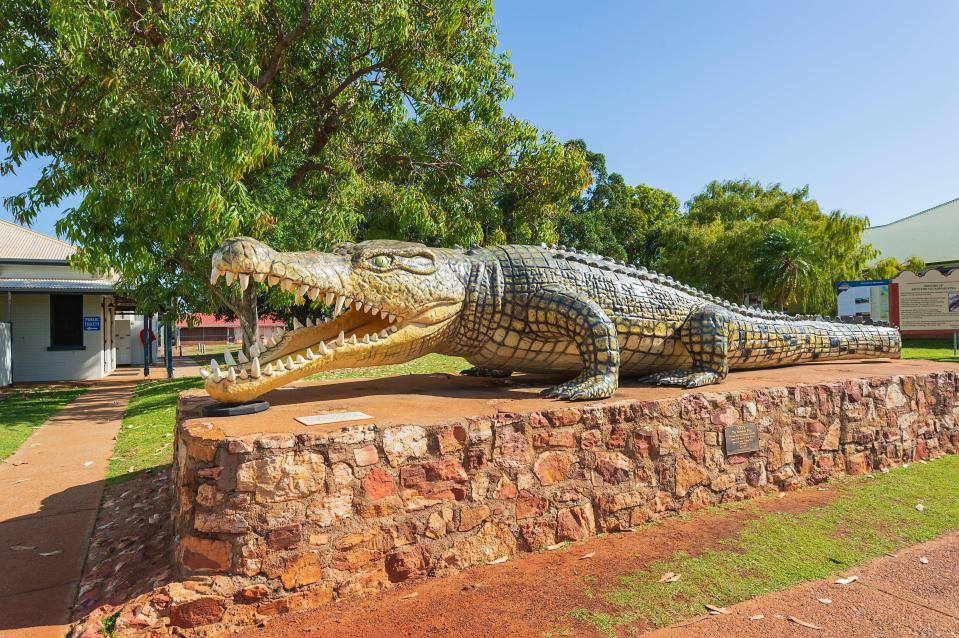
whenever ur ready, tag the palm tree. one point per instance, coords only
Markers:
(789, 267)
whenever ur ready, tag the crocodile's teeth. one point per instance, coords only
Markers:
(329, 299)
(255, 350)
(255, 368)
(340, 339)
(244, 280)
(259, 276)
(339, 305)
(214, 366)
(228, 357)
(204, 373)
(366, 338)
(268, 370)
(367, 308)
(296, 324)
(241, 357)
(304, 288)
(273, 280)
(358, 305)
(384, 314)
(214, 275)
(231, 375)
(309, 322)
(230, 277)
(289, 363)
(242, 375)
(297, 297)
(384, 334)
(392, 317)
(352, 340)
(349, 302)
(392, 329)
(323, 349)
(280, 366)
(309, 354)
(300, 360)
(374, 337)
(287, 284)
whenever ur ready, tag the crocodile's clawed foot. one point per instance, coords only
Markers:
(583, 389)
(684, 378)
(486, 372)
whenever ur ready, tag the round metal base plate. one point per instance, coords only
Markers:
(235, 409)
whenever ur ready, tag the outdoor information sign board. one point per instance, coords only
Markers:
(869, 299)
(926, 305)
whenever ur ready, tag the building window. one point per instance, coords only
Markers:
(66, 322)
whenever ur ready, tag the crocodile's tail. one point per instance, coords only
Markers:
(772, 343)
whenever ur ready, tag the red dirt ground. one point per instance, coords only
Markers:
(527, 596)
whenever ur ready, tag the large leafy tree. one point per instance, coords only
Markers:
(890, 267)
(617, 220)
(305, 122)
(739, 236)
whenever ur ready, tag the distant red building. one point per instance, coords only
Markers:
(209, 329)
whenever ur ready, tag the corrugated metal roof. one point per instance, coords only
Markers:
(57, 285)
(17, 242)
(932, 235)
(210, 321)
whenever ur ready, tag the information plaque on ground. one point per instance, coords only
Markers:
(332, 417)
(741, 438)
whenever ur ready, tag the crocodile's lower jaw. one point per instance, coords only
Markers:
(354, 339)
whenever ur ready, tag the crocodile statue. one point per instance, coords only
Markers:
(505, 309)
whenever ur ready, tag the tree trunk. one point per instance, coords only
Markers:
(249, 324)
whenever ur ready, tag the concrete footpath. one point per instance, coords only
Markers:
(50, 492)
(914, 593)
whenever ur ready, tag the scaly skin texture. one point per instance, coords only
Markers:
(518, 308)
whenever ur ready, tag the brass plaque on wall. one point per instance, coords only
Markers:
(741, 438)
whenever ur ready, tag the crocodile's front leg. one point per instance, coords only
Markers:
(706, 337)
(555, 311)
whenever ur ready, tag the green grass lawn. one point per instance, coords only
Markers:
(935, 349)
(871, 516)
(145, 441)
(424, 365)
(212, 352)
(24, 410)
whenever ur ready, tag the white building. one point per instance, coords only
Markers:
(932, 235)
(61, 324)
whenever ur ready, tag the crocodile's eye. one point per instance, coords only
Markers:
(381, 261)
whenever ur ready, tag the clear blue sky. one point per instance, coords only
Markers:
(860, 100)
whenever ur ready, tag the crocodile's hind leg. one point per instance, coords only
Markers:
(554, 311)
(706, 335)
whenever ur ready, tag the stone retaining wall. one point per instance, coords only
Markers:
(288, 522)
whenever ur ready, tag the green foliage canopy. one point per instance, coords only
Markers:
(741, 235)
(890, 267)
(617, 220)
(304, 122)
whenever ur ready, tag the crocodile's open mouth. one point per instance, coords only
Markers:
(358, 334)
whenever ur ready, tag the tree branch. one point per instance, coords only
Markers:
(284, 42)
(332, 122)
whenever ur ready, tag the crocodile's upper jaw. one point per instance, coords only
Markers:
(359, 334)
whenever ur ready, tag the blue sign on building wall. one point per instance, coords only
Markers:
(91, 324)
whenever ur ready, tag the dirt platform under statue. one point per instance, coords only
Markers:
(427, 399)
(449, 472)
